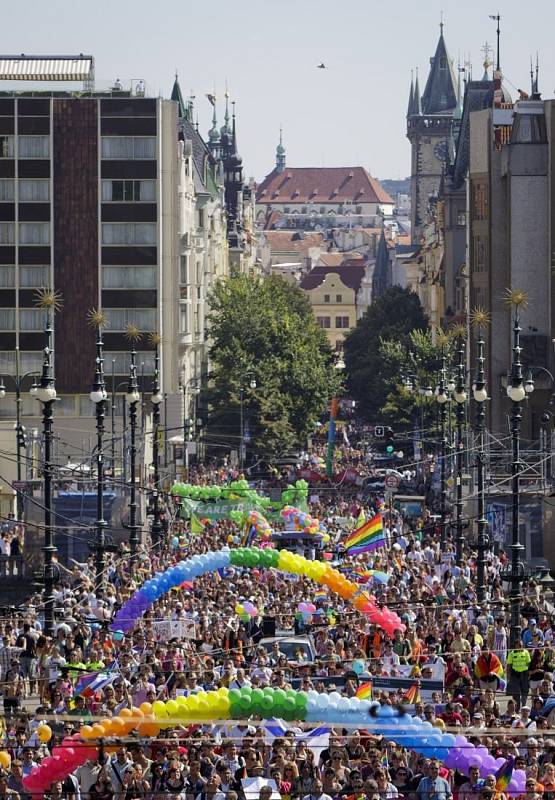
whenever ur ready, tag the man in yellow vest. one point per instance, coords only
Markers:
(518, 663)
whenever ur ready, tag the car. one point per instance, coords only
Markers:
(382, 471)
(288, 645)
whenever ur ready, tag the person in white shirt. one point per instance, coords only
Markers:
(316, 792)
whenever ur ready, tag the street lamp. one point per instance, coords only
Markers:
(252, 385)
(156, 399)
(479, 319)
(98, 397)
(516, 393)
(20, 443)
(442, 398)
(192, 385)
(46, 394)
(133, 397)
(459, 395)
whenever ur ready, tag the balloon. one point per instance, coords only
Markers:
(5, 759)
(44, 732)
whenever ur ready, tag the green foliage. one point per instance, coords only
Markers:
(391, 318)
(265, 329)
(419, 360)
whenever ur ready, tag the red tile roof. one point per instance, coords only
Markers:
(351, 275)
(290, 241)
(321, 185)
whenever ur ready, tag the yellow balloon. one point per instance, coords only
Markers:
(172, 708)
(159, 709)
(44, 732)
(5, 759)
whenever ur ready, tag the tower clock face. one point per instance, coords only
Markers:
(441, 151)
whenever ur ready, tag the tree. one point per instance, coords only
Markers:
(393, 316)
(265, 330)
(415, 366)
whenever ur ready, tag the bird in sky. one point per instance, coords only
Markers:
(321, 66)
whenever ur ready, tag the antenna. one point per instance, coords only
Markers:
(497, 18)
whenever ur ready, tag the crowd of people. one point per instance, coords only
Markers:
(454, 652)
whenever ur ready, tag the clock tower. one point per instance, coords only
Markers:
(430, 120)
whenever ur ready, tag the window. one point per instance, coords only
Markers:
(121, 359)
(184, 270)
(342, 322)
(34, 277)
(7, 319)
(479, 254)
(130, 233)
(34, 189)
(479, 297)
(443, 63)
(31, 319)
(479, 201)
(338, 298)
(34, 233)
(6, 147)
(7, 363)
(326, 298)
(7, 233)
(324, 322)
(183, 319)
(87, 408)
(34, 147)
(461, 219)
(201, 217)
(6, 189)
(129, 147)
(129, 191)
(7, 277)
(119, 318)
(129, 277)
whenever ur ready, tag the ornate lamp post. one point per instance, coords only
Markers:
(460, 398)
(252, 385)
(156, 399)
(20, 434)
(442, 397)
(45, 393)
(98, 396)
(133, 397)
(480, 319)
(516, 393)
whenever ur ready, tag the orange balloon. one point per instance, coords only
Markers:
(107, 725)
(127, 716)
(86, 732)
(98, 730)
(148, 727)
(136, 716)
(118, 726)
(360, 602)
(146, 708)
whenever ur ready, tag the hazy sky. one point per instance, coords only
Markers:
(351, 113)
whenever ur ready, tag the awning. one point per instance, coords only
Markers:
(46, 68)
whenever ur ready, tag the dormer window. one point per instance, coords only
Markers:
(443, 63)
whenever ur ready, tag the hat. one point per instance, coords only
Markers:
(525, 708)
(531, 622)
(477, 715)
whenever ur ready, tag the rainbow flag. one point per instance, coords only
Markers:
(320, 594)
(364, 691)
(504, 774)
(412, 695)
(368, 537)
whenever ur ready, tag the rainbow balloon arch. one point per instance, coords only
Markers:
(456, 752)
(148, 720)
(250, 558)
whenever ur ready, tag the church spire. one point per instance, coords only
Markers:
(213, 133)
(177, 97)
(280, 153)
(411, 94)
(440, 92)
(417, 100)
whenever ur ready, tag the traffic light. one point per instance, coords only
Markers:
(388, 436)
